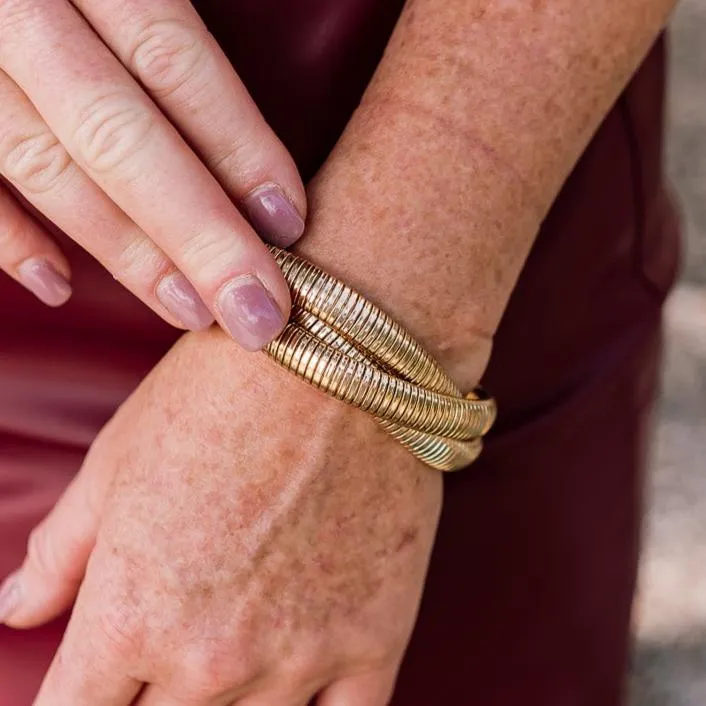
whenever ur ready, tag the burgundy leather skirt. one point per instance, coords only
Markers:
(529, 594)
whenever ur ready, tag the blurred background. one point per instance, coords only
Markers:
(669, 664)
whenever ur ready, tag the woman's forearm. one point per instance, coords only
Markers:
(431, 200)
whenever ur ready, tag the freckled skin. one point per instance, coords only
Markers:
(470, 127)
(253, 524)
(303, 528)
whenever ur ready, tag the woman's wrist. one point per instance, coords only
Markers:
(263, 383)
(432, 198)
(436, 287)
(453, 338)
(435, 233)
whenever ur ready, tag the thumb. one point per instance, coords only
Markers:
(57, 553)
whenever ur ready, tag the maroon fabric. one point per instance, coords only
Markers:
(528, 598)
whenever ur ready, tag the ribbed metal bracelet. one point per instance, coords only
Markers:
(343, 344)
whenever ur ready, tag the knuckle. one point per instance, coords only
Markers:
(167, 54)
(138, 263)
(111, 130)
(380, 654)
(120, 630)
(379, 660)
(209, 672)
(35, 162)
(209, 255)
(250, 154)
(295, 674)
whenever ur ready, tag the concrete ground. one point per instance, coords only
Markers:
(670, 656)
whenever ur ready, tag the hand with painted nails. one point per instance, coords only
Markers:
(124, 124)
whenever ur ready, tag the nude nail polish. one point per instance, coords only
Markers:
(250, 314)
(180, 298)
(42, 279)
(273, 215)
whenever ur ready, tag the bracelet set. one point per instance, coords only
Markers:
(341, 343)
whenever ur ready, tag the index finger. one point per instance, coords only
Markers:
(117, 135)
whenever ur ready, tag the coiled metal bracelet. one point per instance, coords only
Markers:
(341, 343)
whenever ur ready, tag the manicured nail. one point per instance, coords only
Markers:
(42, 279)
(273, 215)
(10, 596)
(250, 314)
(180, 298)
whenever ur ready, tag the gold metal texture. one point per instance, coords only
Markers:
(343, 344)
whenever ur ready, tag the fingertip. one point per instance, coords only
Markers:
(180, 298)
(10, 598)
(251, 312)
(28, 601)
(274, 215)
(45, 280)
(17, 610)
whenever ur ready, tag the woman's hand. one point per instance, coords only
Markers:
(118, 120)
(251, 541)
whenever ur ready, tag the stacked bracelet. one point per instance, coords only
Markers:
(343, 344)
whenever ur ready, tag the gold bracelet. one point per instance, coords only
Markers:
(341, 343)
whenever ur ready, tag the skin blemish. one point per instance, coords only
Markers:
(409, 536)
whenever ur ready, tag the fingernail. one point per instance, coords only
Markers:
(249, 312)
(273, 215)
(42, 279)
(10, 595)
(180, 298)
